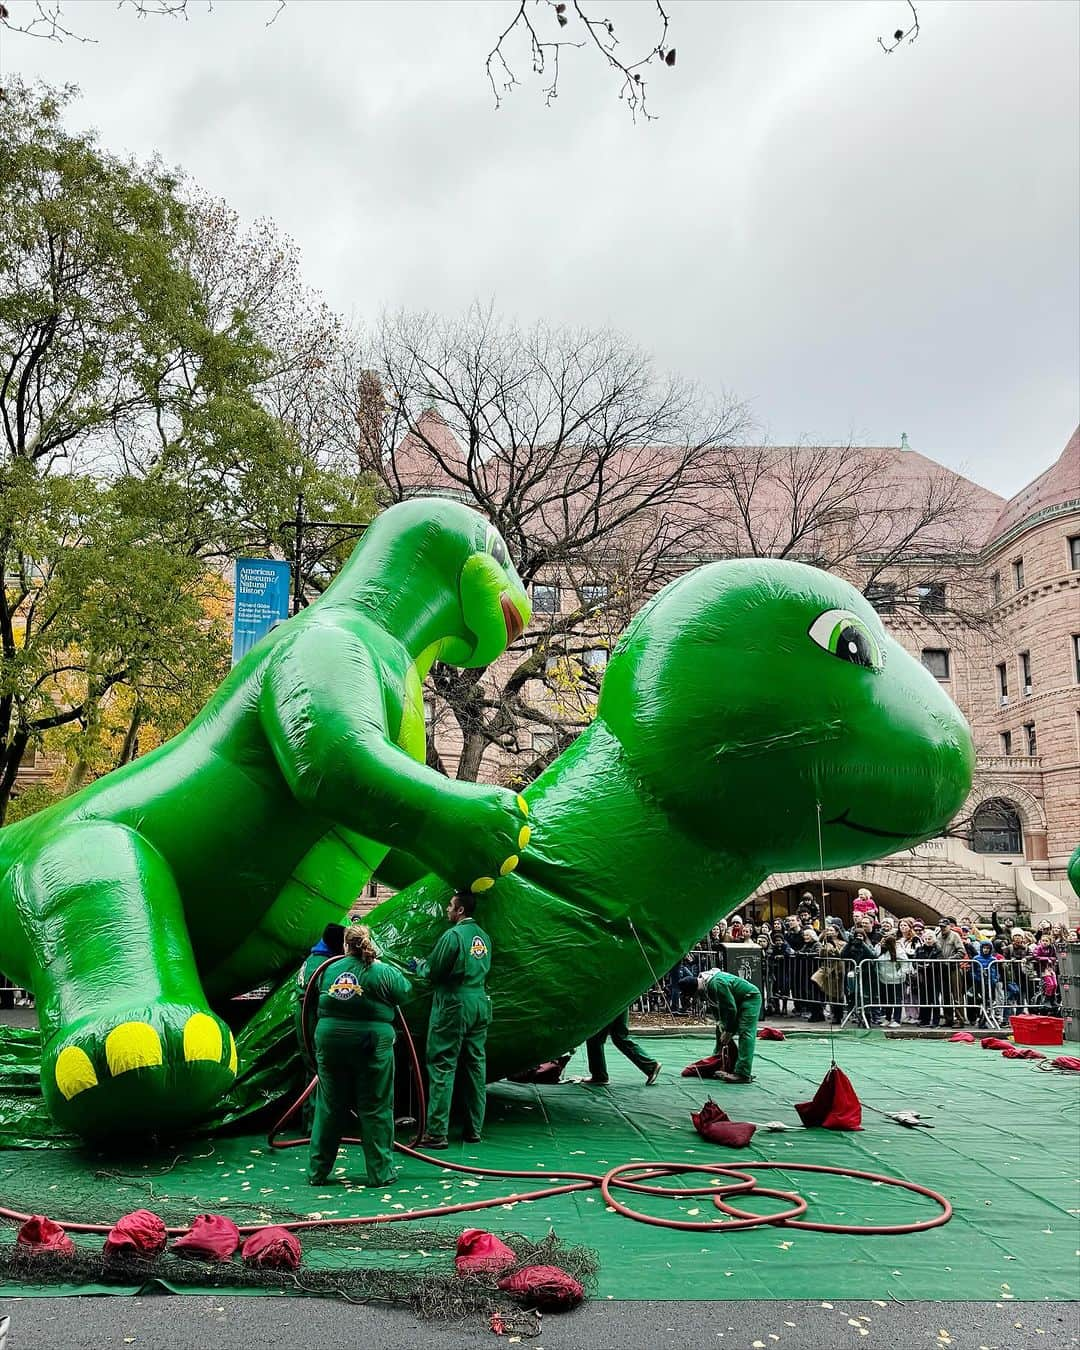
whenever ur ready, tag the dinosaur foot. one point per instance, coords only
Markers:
(139, 1071)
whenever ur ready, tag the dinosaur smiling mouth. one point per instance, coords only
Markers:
(842, 819)
(515, 624)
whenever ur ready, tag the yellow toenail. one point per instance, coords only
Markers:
(132, 1045)
(509, 865)
(202, 1038)
(233, 1060)
(524, 835)
(482, 884)
(523, 805)
(74, 1072)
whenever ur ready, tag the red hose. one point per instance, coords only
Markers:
(735, 1181)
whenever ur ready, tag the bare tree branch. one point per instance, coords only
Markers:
(596, 33)
(902, 35)
(591, 463)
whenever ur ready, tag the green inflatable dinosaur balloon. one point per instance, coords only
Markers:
(754, 717)
(206, 867)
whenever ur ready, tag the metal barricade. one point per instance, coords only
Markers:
(929, 992)
(965, 992)
(817, 988)
(809, 985)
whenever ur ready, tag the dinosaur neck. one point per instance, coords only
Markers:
(625, 857)
(407, 581)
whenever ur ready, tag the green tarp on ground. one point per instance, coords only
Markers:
(1005, 1149)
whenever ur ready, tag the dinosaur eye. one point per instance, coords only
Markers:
(496, 547)
(846, 636)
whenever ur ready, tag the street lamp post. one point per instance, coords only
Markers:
(299, 525)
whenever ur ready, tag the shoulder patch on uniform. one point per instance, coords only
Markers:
(345, 986)
(478, 948)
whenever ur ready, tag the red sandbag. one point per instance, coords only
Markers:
(212, 1238)
(717, 1126)
(1066, 1062)
(711, 1065)
(39, 1234)
(770, 1034)
(834, 1106)
(964, 1036)
(995, 1043)
(546, 1288)
(273, 1248)
(139, 1233)
(480, 1253)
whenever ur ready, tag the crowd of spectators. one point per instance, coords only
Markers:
(890, 972)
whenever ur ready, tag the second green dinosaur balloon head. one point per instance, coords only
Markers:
(769, 704)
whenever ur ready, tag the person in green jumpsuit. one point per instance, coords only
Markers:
(354, 1053)
(330, 944)
(619, 1033)
(327, 947)
(736, 1004)
(460, 1014)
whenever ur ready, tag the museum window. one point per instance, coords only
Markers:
(594, 658)
(546, 599)
(1074, 552)
(936, 661)
(1006, 742)
(1018, 574)
(1076, 657)
(1003, 680)
(1025, 672)
(1032, 743)
(593, 593)
(995, 588)
(882, 595)
(995, 828)
(931, 597)
(543, 742)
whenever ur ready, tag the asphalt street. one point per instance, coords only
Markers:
(170, 1322)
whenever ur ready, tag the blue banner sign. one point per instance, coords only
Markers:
(262, 598)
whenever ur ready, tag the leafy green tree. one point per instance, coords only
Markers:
(145, 370)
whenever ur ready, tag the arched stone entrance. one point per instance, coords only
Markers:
(1027, 807)
(903, 895)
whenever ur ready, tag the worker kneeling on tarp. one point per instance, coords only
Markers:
(354, 1054)
(736, 1005)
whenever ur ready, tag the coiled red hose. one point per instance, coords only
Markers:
(727, 1181)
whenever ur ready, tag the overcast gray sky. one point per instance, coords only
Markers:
(857, 244)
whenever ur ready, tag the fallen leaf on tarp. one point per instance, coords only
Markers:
(826, 1305)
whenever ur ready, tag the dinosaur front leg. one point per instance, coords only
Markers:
(335, 752)
(128, 1042)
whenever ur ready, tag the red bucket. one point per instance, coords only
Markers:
(1029, 1030)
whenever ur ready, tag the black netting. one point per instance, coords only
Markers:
(385, 1263)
